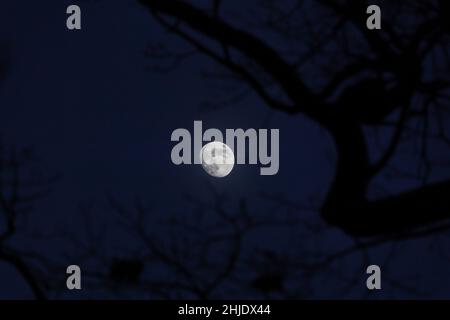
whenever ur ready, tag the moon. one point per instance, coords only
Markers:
(217, 159)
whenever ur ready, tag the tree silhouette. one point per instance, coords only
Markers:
(376, 93)
(22, 183)
(211, 250)
(217, 249)
(347, 79)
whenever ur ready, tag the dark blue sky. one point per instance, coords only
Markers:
(95, 115)
(104, 121)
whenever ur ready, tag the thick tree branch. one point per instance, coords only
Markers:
(346, 205)
(232, 66)
(25, 272)
(250, 46)
(399, 213)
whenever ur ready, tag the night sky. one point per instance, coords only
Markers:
(100, 119)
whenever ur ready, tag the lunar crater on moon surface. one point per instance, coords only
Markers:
(217, 159)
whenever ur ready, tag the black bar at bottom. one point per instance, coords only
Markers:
(244, 309)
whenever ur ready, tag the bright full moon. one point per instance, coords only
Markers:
(217, 159)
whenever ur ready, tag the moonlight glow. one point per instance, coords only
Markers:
(217, 159)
